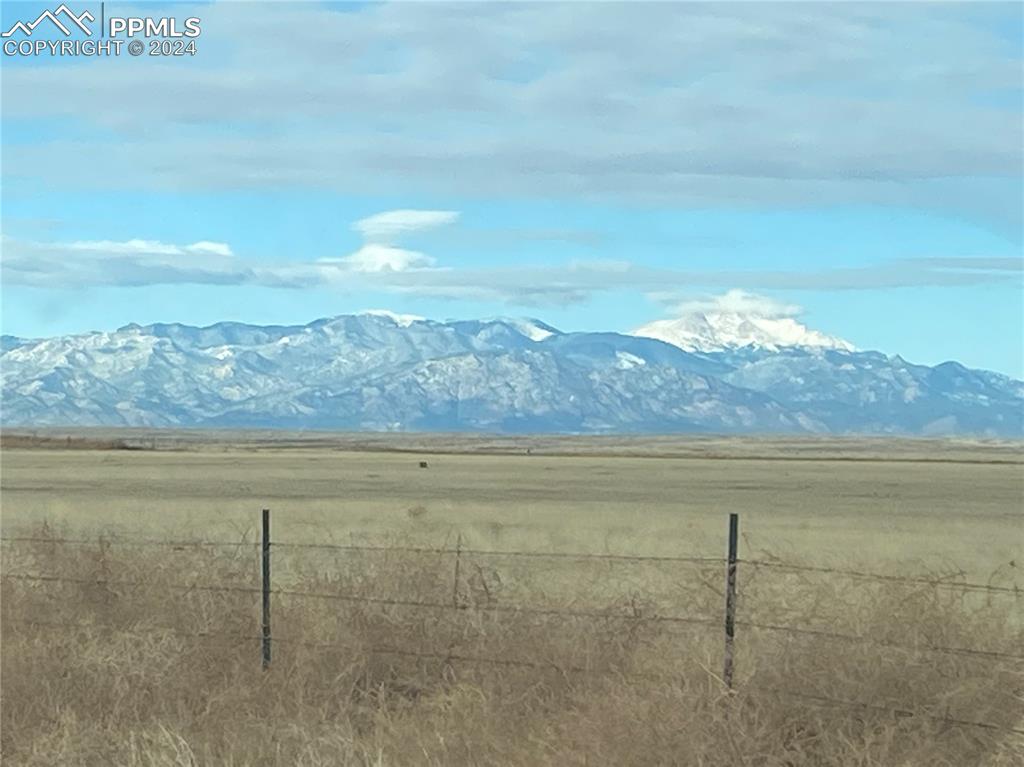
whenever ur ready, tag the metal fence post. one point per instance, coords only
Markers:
(265, 560)
(730, 599)
(455, 580)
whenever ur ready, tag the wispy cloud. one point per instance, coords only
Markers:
(387, 226)
(381, 232)
(390, 268)
(127, 263)
(739, 301)
(108, 248)
(383, 258)
(910, 104)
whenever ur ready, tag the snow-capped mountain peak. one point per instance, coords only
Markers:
(402, 320)
(722, 330)
(533, 329)
(368, 371)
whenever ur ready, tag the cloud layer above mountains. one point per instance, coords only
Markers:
(384, 263)
(913, 104)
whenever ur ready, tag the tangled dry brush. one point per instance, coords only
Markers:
(150, 656)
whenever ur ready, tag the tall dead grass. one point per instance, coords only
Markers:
(133, 672)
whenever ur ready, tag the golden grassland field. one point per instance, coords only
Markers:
(149, 654)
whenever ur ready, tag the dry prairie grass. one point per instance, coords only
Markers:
(899, 514)
(164, 677)
(10, 441)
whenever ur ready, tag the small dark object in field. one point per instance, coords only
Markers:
(423, 464)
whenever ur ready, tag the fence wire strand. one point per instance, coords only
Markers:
(894, 710)
(638, 617)
(860, 574)
(881, 642)
(510, 554)
(455, 657)
(758, 563)
(130, 542)
(353, 547)
(382, 601)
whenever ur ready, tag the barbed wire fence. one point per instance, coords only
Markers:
(266, 638)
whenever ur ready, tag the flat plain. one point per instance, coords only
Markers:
(127, 641)
(906, 504)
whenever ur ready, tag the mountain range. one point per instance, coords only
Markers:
(382, 371)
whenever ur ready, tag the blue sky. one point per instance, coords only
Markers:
(597, 165)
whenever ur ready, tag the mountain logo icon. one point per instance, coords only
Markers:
(55, 17)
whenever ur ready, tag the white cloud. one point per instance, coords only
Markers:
(127, 247)
(381, 230)
(210, 248)
(387, 226)
(716, 103)
(384, 258)
(737, 301)
(133, 262)
(148, 248)
(389, 268)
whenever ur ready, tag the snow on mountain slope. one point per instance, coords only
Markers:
(854, 392)
(392, 372)
(715, 331)
(737, 319)
(403, 320)
(535, 330)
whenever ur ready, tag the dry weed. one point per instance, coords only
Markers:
(131, 671)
